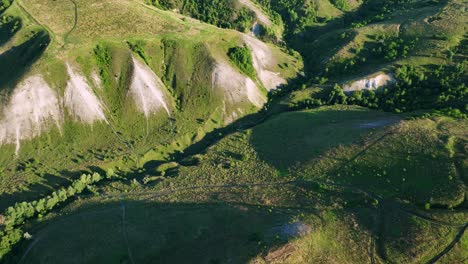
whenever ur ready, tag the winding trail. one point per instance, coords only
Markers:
(450, 246)
(125, 234)
(30, 247)
(162, 193)
(35, 20)
(65, 37)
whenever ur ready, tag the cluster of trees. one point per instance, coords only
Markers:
(221, 13)
(392, 48)
(342, 5)
(9, 25)
(443, 88)
(296, 15)
(389, 48)
(16, 215)
(373, 11)
(242, 57)
(4, 4)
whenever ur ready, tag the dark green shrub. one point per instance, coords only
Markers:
(242, 57)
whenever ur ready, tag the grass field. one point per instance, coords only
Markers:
(213, 179)
(196, 203)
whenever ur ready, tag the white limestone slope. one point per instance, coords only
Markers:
(33, 108)
(147, 90)
(372, 82)
(80, 100)
(236, 87)
(263, 62)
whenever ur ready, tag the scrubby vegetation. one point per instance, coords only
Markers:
(222, 13)
(384, 49)
(242, 58)
(4, 4)
(321, 173)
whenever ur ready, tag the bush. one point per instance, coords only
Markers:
(4, 4)
(242, 57)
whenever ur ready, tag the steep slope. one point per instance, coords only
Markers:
(32, 108)
(337, 192)
(142, 77)
(147, 89)
(81, 101)
(241, 15)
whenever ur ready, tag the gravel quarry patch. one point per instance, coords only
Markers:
(147, 90)
(263, 62)
(235, 86)
(370, 83)
(81, 101)
(31, 109)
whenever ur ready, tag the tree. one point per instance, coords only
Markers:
(337, 95)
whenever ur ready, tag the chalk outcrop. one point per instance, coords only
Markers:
(147, 90)
(264, 62)
(82, 104)
(33, 108)
(370, 83)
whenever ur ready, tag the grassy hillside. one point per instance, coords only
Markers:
(161, 132)
(241, 15)
(188, 60)
(294, 209)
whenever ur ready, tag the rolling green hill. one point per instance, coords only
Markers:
(238, 131)
(101, 77)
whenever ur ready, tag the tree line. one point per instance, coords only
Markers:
(15, 216)
(221, 13)
(442, 88)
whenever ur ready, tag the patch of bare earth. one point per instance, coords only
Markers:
(81, 101)
(31, 109)
(264, 62)
(147, 90)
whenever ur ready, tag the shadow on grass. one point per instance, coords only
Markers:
(9, 28)
(152, 232)
(48, 184)
(303, 136)
(15, 62)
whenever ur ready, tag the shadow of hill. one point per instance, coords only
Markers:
(151, 232)
(49, 183)
(15, 62)
(299, 137)
(9, 28)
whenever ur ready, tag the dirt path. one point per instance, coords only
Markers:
(35, 20)
(31, 246)
(125, 234)
(450, 246)
(65, 37)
